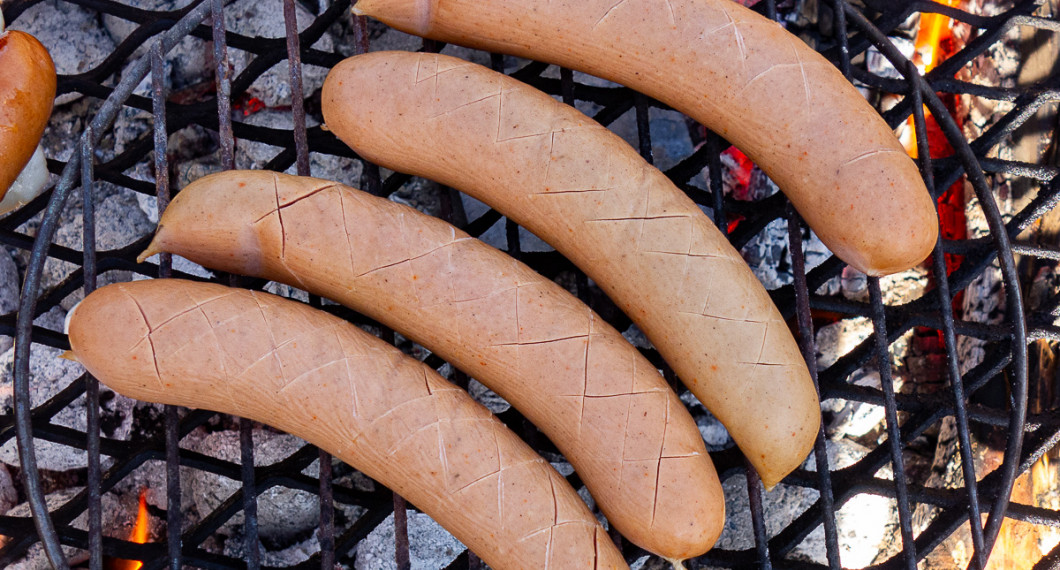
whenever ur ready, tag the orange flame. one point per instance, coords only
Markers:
(934, 29)
(928, 53)
(138, 535)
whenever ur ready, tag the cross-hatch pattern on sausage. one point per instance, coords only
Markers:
(576, 378)
(318, 377)
(27, 91)
(742, 76)
(590, 195)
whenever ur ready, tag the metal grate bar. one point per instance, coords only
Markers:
(758, 516)
(808, 345)
(174, 515)
(946, 309)
(294, 58)
(713, 145)
(95, 508)
(224, 86)
(894, 438)
(1007, 348)
(250, 493)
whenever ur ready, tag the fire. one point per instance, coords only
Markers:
(934, 29)
(934, 43)
(138, 535)
(929, 51)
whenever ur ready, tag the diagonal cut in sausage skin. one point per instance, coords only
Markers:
(590, 195)
(596, 397)
(739, 74)
(317, 376)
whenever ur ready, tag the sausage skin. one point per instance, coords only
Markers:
(316, 376)
(741, 75)
(585, 191)
(576, 378)
(27, 92)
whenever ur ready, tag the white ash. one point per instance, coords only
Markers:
(8, 493)
(288, 557)
(186, 64)
(191, 170)
(35, 559)
(119, 222)
(640, 563)
(904, 286)
(430, 546)
(190, 143)
(386, 40)
(854, 285)
(478, 391)
(130, 125)
(878, 64)
(563, 468)
(861, 522)
(50, 374)
(419, 194)
(768, 254)
(714, 433)
(284, 290)
(350, 512)
(497, 235)
(781, 506)
(179, 264)
(282, 512)
(357, 481)
(984, 300)
(671, 141)
(77, 45)
(856, 420)
(67, 123)
(253, 155)
(254, 19)
(483, 395)
(670, 138)
(151, 475)
(636, 337)
(590, 502)
(472, 55)
(119, 514)
(839, 338)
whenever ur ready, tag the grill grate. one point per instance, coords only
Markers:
(908, 416)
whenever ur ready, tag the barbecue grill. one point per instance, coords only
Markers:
(854, 29)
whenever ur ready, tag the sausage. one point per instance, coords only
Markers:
(739, 74)
(596, 397)
(316, 376)
(27, 91)
(585, 191)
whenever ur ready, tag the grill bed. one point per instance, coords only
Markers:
(1029, 436)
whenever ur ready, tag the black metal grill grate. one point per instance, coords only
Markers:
(908, 416)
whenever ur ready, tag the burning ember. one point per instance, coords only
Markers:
(138, 535)
(934, 30)
(934, 43)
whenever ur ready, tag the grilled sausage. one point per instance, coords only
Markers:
(602, 403)
(589, 194)
(316, 376)
(27, 91)
(741, 75)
